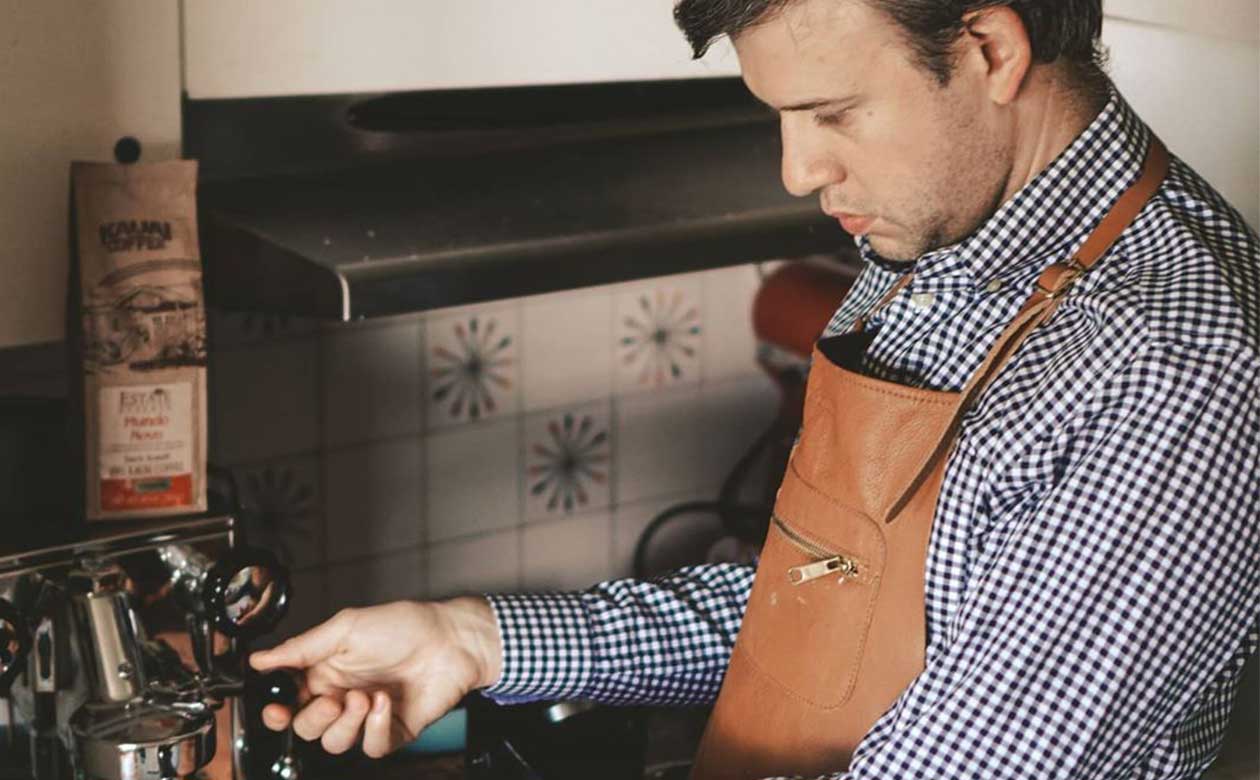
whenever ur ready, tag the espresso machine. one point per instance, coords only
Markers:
(122, 656)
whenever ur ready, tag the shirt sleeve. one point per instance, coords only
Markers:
(1117, 606)
(665, 641)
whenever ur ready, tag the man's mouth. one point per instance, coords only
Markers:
(853, 224)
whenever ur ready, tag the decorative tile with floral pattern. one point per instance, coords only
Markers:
(280, 510)
(568, 461)
(658, 337)
(472, 366)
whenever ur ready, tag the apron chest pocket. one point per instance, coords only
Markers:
(811, 607)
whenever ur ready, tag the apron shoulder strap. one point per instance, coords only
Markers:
(1054, 281)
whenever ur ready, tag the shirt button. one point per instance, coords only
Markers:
(923, 300)
(993, 286)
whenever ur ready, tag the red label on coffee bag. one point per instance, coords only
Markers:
(155, 493)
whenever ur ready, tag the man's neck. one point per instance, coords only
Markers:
(1049, 120)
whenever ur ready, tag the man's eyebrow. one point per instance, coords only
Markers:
(810, 105)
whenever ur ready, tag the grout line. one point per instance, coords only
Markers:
(396, 552)
(422, 419)
(474, 536)
(321, 415)
(257, 343)
(270, 459)
(705, 283)
(424, 558)
(614, 471)
(522, 455)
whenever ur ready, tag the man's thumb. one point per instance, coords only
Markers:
(304, 650)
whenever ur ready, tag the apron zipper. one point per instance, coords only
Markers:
(829, 562)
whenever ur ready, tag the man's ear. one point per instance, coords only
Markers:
(996, 43)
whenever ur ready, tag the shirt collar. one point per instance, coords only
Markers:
(1052, 215)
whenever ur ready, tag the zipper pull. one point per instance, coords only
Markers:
(811, 571)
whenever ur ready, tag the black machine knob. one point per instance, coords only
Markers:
(246, 593)
(279, 686)
(15, 645)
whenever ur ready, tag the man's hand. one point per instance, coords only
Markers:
(384, 673)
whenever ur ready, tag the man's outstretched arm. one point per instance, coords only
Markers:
(661, 641)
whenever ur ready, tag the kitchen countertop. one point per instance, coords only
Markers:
(673, 731)
(672, 736)
(451, 767)
(396, 767)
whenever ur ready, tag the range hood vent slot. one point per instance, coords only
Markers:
(655, 104)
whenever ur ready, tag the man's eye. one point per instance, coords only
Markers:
(830, 119)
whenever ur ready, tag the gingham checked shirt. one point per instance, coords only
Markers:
(1093, 575)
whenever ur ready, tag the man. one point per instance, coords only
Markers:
(1092, 582)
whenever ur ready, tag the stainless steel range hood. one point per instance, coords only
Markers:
(353, 206)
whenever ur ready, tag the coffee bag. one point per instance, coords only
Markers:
(136, 294)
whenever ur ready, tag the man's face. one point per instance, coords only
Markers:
(897, 157)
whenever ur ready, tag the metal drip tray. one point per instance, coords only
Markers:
(143, 742)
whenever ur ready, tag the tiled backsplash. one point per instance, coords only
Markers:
(520, 444)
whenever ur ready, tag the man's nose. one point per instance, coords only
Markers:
(807, 164)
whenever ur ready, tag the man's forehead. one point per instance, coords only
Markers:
(812, 45)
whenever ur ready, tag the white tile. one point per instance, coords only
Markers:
(371, 384)
(568, 461)
(282, 509)
(657, 444)
(567, 554)
(374, 498)
(566, 357)
(732, 415)
(369, 581)
(658, 334)
(472, 364)
(680, 541)
(308, 607)
(473, 479)
(730, 348)
(264, 401)
(481, 564)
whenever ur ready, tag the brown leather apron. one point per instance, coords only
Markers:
(834, 630)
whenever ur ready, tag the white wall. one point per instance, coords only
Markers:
(1192, 71)
(74, 77)
(1238, 19)
(243, 48)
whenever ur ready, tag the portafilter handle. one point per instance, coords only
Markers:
(246, 593)
(280, 686)
(15, 645)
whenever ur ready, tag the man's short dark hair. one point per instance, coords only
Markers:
(1064, 31)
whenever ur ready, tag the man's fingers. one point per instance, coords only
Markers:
(315, 718)
(344, 731)
(306, 649)
(377, 739)
(276, 717)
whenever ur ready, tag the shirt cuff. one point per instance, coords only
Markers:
(546, 647)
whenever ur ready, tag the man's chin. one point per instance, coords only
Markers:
(893, 249)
